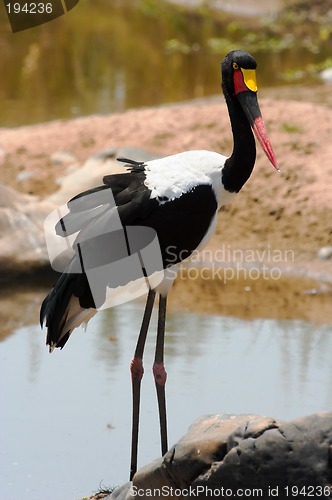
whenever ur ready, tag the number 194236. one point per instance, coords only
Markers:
(29, 8)
(308, 491)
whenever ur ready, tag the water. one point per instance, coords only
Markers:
(106, 56)
(65, 417)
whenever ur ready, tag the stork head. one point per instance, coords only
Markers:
(238, 71)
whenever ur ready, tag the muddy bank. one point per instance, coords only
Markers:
(286, 298)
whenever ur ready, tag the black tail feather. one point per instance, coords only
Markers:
(55, 311)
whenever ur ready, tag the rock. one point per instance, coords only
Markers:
(22, 241)
(2, 156)
(106, 154)
(9, 198)
(63, 158)
(89, 175)
(24, 176)
(325, 253)
(230, 454)
(138, 154)
(326, 75)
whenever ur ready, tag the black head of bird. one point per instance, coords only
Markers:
(239, 86)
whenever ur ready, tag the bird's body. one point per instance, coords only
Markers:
(178, 197)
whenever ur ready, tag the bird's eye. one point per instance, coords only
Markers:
(235, 66)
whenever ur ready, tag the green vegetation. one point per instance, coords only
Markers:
(292, 128)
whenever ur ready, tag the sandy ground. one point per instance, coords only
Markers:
(278, 220)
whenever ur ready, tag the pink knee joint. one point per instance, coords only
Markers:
(136, 368)
(159, 373)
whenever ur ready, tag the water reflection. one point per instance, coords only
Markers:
(65, 417)
(106, 56)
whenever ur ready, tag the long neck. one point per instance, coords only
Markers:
(239, 165)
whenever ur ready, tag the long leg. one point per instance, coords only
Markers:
(137, 370)
(160, 374)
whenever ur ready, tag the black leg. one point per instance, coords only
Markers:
(137, 370)
(160, 374)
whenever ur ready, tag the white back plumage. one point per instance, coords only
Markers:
(174, 175)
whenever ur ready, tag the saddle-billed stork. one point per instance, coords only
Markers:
(178, 197)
